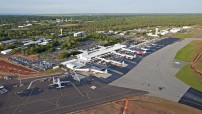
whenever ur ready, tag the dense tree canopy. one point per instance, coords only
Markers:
(46, 26)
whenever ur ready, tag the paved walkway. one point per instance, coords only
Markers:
(156, 74)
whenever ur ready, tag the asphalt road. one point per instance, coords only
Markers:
(156, 74)
(192, 98)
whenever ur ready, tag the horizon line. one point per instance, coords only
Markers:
(84, 13)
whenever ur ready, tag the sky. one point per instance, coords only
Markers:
(99, 6)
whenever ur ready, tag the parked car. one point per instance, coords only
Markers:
(7, 78)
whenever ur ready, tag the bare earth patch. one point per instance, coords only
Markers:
(141, 105)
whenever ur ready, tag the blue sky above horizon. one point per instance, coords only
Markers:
(99, 6)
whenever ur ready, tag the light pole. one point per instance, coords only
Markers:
(20, 79)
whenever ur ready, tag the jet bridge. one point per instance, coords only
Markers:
(91, 70)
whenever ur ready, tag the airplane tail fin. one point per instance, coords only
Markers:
(53, 79)
(106, 71)
(122, 63)
(76, 77)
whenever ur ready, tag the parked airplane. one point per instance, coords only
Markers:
(57, 82)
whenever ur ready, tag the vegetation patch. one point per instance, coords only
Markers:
(189, 77)
(70, 25)
(184, 35)
(53, 71)
(194, 33)
(190, 51)
(65, 55)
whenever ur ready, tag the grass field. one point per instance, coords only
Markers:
(51, 71)
(184, 35)
(187, 54)
(194, 33)
(190, 51)
(187, 76)
(70, 25)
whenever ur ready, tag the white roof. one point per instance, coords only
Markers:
(8, 50)
(87, 55)
(101, 51)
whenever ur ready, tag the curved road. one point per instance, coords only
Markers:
(156, 74)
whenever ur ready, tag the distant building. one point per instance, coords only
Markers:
(186, 27)
(29, 25)
(164, 32)
(111, 31)
(21, 26)
(157, 31)
(61, 34)
(100, 32)
(122, 34)
(116, 32)
(152, 35)
(79, 34)
(175, 30)
(9, 41)
(41, 41)
(5, 52)
(58, 20)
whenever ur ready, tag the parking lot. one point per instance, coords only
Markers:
(192, 98)
(39, 65)
(42, 65)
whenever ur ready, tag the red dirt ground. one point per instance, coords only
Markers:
(12, 68)
(141, 105)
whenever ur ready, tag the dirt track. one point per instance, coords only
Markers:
(193, 65)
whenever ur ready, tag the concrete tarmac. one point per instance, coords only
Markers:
(156, 74)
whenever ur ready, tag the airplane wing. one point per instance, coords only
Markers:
(51, 84)
(60, 86)
(64, 82)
